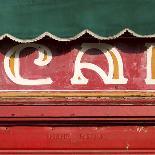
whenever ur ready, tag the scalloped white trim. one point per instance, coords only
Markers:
(76, 36)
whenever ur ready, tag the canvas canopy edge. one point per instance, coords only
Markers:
(86, 31)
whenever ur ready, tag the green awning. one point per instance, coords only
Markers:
(28, 19)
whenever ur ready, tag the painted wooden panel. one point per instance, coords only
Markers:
(77, 66)
(80, 97)
(78, 140)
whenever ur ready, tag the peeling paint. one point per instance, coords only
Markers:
(141, 129)
(127, 146)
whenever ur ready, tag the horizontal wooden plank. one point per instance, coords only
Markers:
(77, 138)
(75, 111)
(48, 98)
(75, 152)
(84, 65)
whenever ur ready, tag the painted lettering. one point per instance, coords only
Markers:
(12, 64)
(115, 63)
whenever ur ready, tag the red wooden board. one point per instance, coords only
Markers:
(99, 102)
(122, 139)
(62, 73)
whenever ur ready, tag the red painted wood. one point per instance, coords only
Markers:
(63, 61)
(70, 136)
(77, 111)
(87, 138)
(80, 152)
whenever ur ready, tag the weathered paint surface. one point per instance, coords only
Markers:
(75, 112)
(78, 138)
(77, 66)
(79, 97)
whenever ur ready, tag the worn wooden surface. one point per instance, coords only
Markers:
(64, 118)
(132, 51)
(77, 140)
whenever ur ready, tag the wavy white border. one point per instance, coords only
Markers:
(76, 36)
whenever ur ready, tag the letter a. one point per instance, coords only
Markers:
(115, 75)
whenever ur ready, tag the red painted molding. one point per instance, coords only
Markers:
(80, 152)
(76, 111)
(77, 138)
